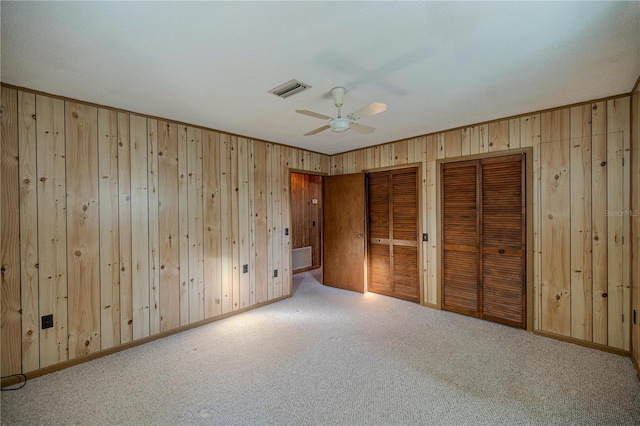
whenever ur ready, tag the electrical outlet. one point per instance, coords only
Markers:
(245, 269)
(425, 237)
(47, 321)
(286, 231)
(275, 273)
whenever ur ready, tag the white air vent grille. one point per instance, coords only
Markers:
(301, 257)
(289, 88)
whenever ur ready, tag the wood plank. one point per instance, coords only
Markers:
(530, 137)
(453, 144)
(514, 133)
(139, 226)
(109, 228)
(467, 141)
(556, 216)
(635, 222)
(154, 223)
(226, 223)
(276, 213)
(252, 221)
(499, 136)
(235, 227)
(261, 256)
(285, 240)
(168, 225)
(599, 241)
(195, 203)
(618, 121)
(83, 229)
(52, 239)
(183, 226)
(124, 220)
(29, 272)
(211, 222)
(11, 354)
(581, 284)
(244, 298)
(432, 285)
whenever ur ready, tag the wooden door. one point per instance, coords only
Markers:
(392, 198)
(344, 228)
(484, 233)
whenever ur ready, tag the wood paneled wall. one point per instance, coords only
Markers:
(635, 224)
(306, 217)
(124, 226)
(581, 203)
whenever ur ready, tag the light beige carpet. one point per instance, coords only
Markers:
(327, 356)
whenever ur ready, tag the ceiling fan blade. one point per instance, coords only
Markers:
(360, 128)
(318, 130)
(313, 114)
(371, 109)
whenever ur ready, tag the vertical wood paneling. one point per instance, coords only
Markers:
(635, 225)
(252, 220)
(243, 225)
(183, 225)
(83, 229)
(530, 137)
(556, 215)
(124, 220)
(499, 135)
(430, 155)
(194, 196)
(109, 228)
(261, 258)
(226, 190)
(618, 115)
(52, 225)
(599, 221)
(211, 222)
(168, 226)
(514, 133)
(581, 285)
(285, 240)
(139, 226)
(235, 227)
(10, 236)
(453, 144)
(29, 272)
(276, 214)
(154, 230)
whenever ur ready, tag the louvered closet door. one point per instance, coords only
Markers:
(393, 233)
(460, 237)
(483, 225)
(503, 236)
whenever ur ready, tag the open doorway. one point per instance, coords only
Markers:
(306, 223)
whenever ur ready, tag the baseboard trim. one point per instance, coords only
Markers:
(15, 379)
(579, 342)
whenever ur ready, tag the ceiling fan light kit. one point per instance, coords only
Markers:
(340, 124)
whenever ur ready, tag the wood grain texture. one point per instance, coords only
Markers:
(211, 223)
(139, 226)
(183, 223)
(195, 203)
(154, 226)
(168, 226)
(581, 284)
(124, 220)
(52, 239)
(109, 228)
(244, 223)
(635, 224)
(83, 229)
(499, 135)
(29, 272)
(11, 354)
(556, 216)
(260, 198)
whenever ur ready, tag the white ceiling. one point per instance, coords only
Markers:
(437, 65)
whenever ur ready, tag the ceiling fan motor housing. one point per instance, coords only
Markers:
(340, 124)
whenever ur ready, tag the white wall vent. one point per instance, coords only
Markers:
(301, 258)
(289, 88)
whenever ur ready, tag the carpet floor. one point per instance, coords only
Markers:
(332, 357)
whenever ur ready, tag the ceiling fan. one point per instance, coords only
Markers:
(342, 124)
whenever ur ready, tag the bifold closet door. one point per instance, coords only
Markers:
(393, 233)
(483, 224)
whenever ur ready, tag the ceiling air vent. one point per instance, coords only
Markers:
(289, 88)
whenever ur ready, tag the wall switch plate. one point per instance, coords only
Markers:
(286, 231)
(275, 273)
(47, 321)
(425, 237)
(245, 269)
